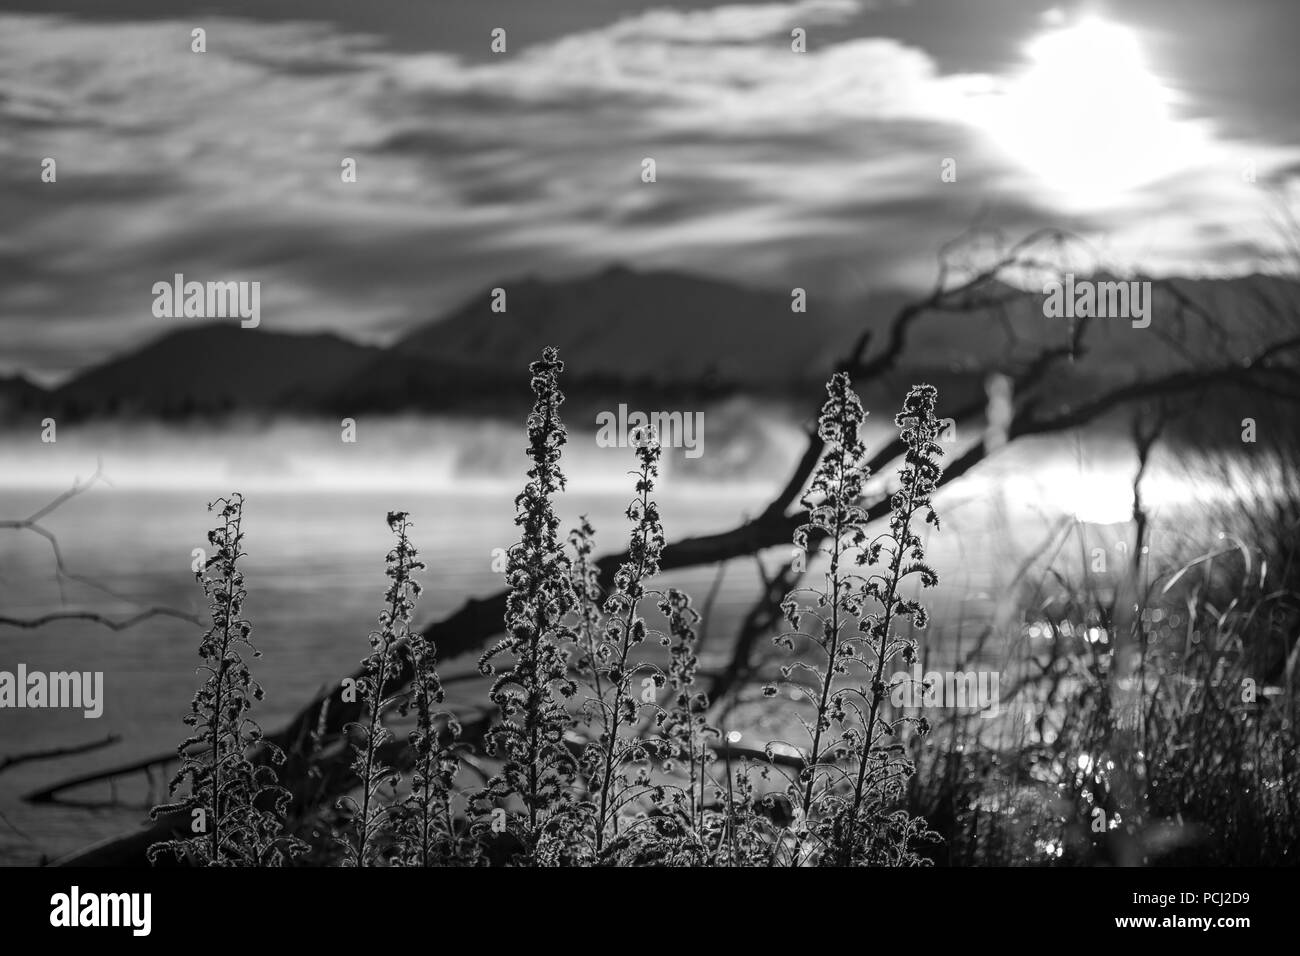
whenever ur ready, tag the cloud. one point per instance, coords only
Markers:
(730, 24)
(225, 165)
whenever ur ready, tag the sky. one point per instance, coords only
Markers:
(1163, 131)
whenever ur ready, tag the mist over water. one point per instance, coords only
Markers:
(743, 443)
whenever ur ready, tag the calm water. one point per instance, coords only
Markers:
(315, 568)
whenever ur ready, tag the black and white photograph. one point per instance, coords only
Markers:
(513, 434)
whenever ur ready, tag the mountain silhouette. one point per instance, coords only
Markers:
(627, 335)
(212, 369)
(17, 394)
(665, 328)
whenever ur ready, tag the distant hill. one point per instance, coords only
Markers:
(18, 395)
(656, 328)
(216, 368)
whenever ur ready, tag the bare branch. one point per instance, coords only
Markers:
(121, 624)
(12, 760)
(63, 573)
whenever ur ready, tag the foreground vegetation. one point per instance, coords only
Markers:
(1143, 724)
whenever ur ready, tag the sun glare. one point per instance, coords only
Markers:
(1087, 116)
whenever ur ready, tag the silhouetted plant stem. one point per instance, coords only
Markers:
(394, 626)
(918, 479)
(231, 532)
(835, 518)
(229, 825)
(627, 629)
(429, 801)
(537, 766)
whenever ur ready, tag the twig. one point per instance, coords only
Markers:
(62, 573)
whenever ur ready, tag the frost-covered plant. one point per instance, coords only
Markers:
(370, 823)
(674, 832)
(684, 729)
(537, 767)
(742, 833)
(425, 828)
(882, 768)
(842, 796)
(627, 683)
(836, 527)
(236, 809)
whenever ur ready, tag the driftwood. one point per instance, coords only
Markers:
(469, 628)
(53, 753)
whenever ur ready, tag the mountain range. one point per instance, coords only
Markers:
(624, 336)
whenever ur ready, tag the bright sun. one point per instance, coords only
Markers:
(1087, 116)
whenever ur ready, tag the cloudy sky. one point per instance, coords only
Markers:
(1140, 126)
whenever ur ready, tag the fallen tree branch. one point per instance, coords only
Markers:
(761, 617)
(53, 753)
